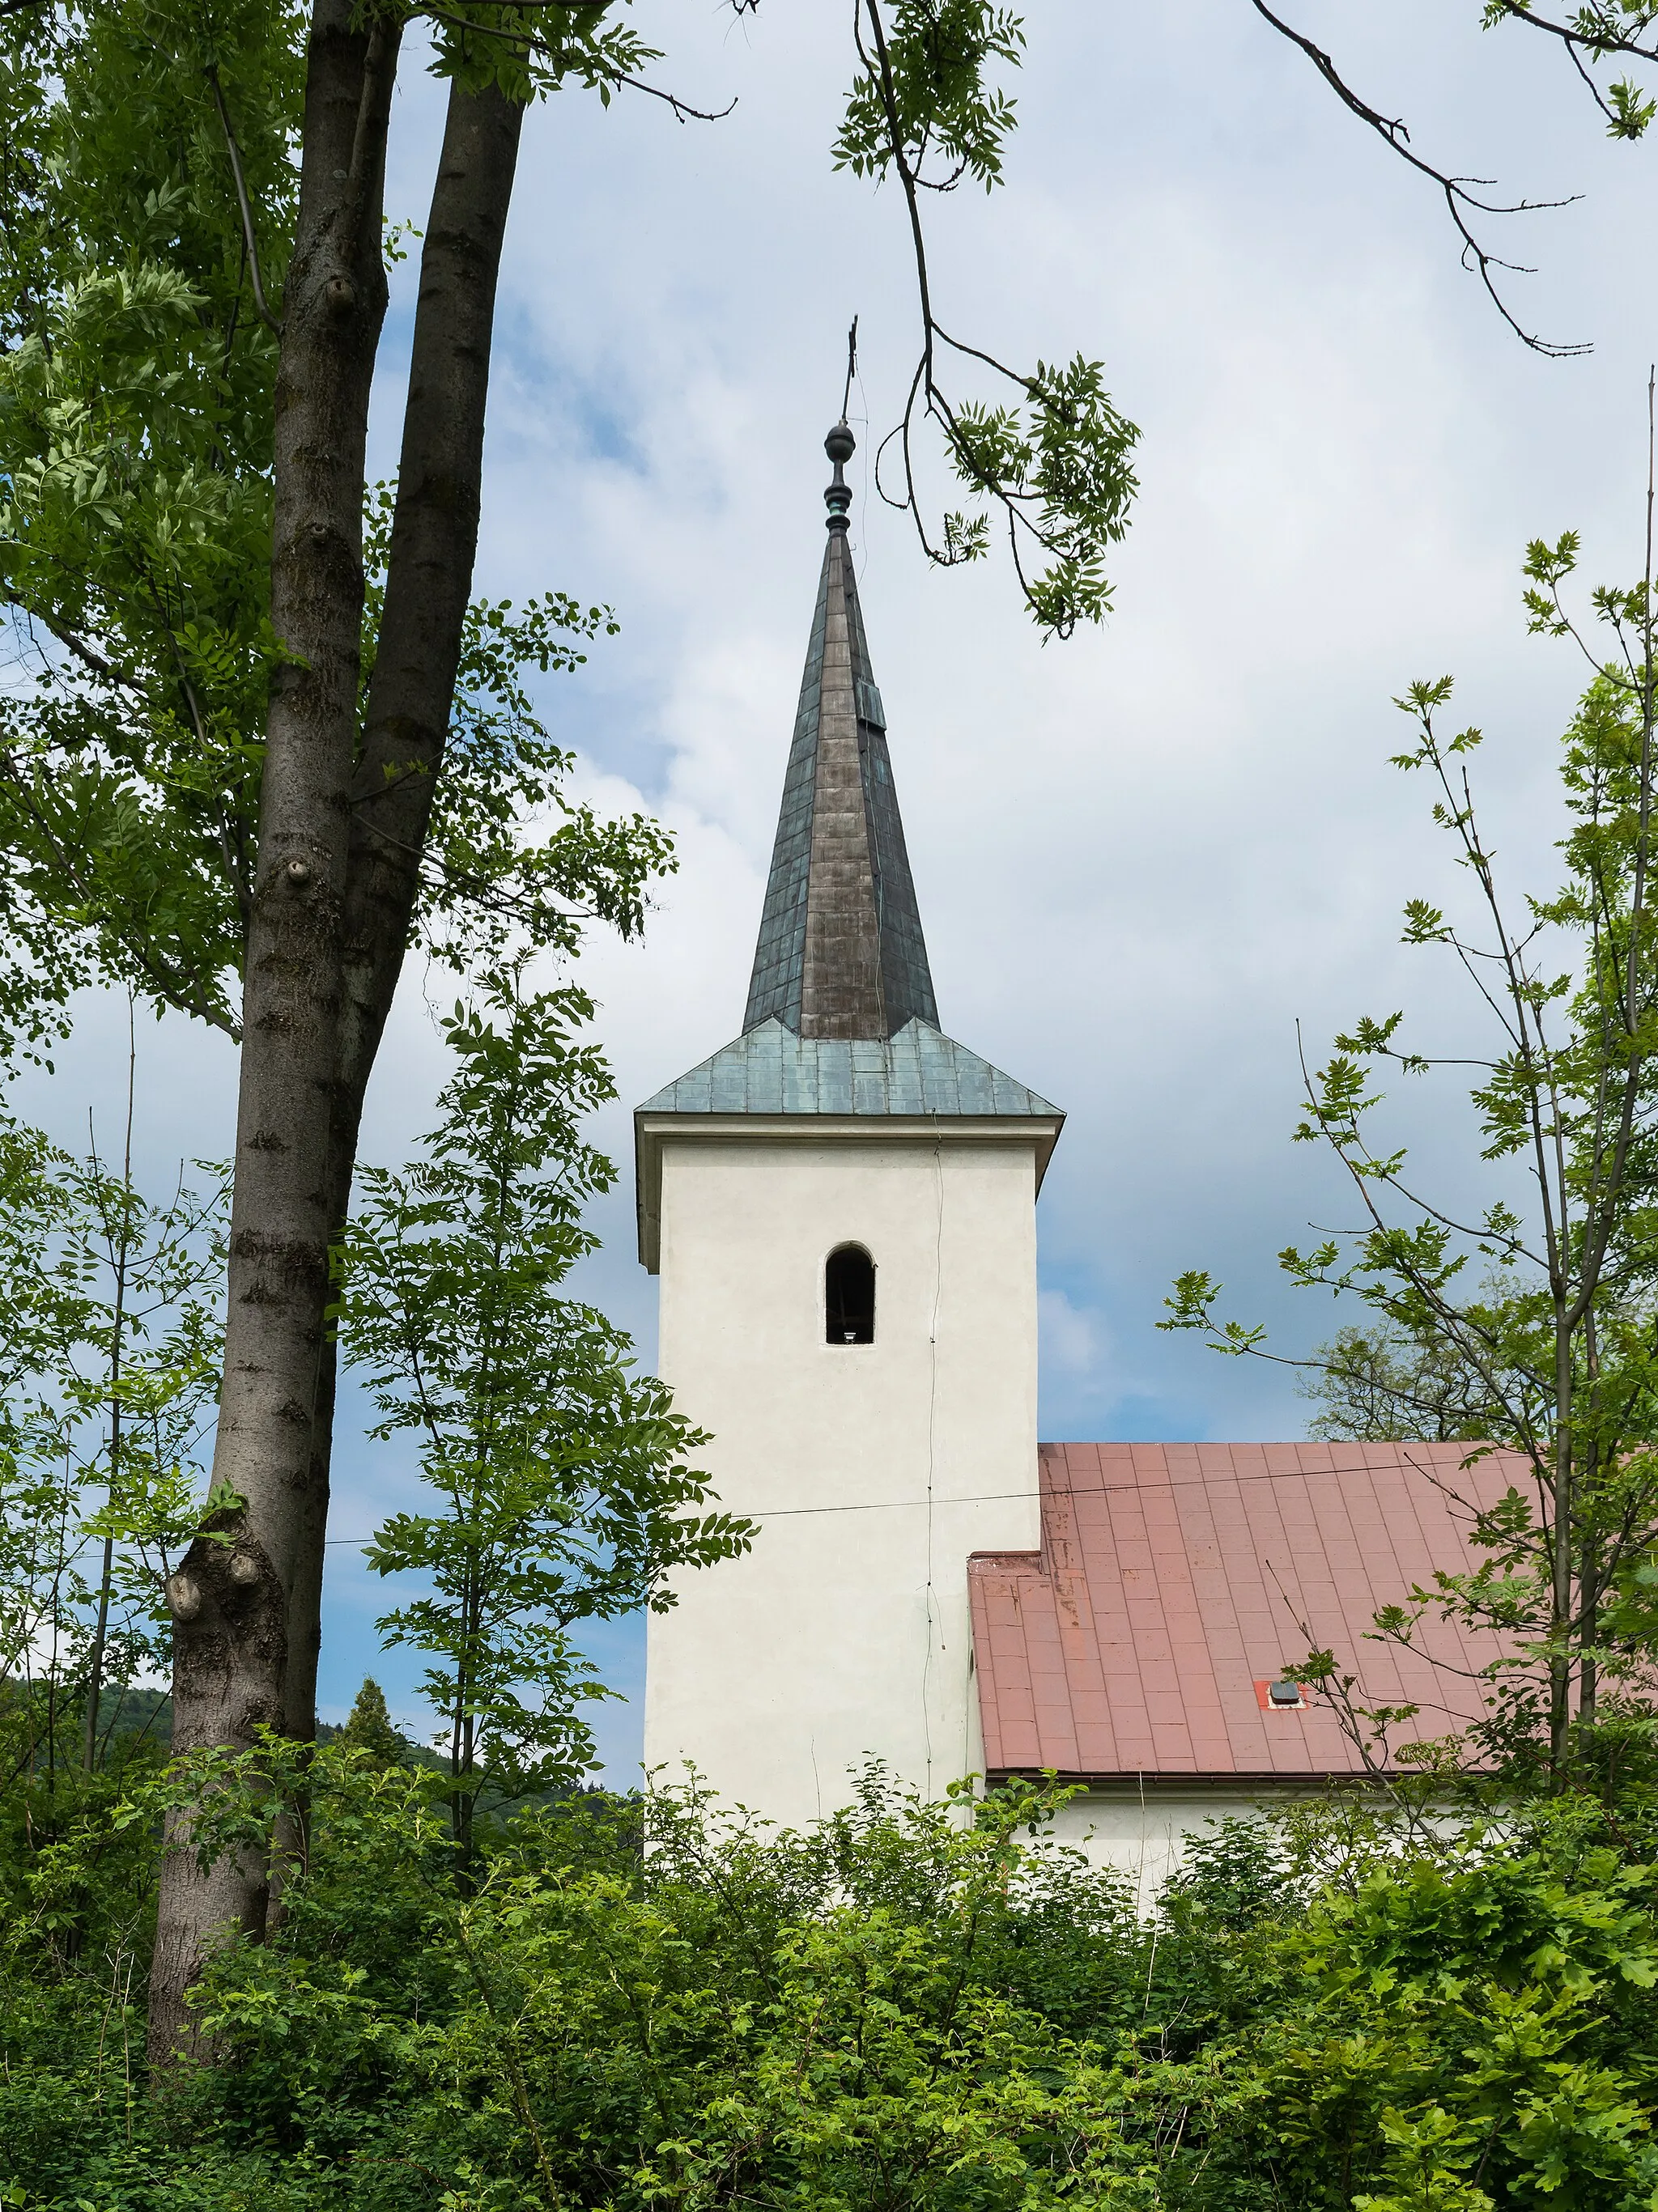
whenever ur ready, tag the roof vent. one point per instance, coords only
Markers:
(1285, 1693)
(869, 709)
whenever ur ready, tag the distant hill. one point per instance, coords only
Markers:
(127, 1718)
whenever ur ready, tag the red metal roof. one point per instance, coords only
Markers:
(1169, 1584)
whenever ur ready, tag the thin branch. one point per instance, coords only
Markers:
(529, 44)
(249, 237)
(681, 108)
(1593, 89)
(1336, 1692)
(1395, 136)
(1602, 41)
(89, 655)
(465, 879)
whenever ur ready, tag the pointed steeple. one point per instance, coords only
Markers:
(841, 952)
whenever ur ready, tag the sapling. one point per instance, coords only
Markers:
(562, 1482)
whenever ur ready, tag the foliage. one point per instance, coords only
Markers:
(136, 420)
(137, 405)
(904, 2005)
(565, 1487)
(1056, 460)
(1552, 1357)
(109, 1313)
(938, 53)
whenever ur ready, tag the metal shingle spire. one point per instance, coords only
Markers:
(841, 952)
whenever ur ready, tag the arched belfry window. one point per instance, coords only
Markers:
(849, 1296)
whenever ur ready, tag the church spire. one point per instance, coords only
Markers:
(841, 952)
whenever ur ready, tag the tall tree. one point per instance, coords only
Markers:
(1554, 1353)
(1379, 1382)
(229, 781)
(147, 223)
(368, 1726)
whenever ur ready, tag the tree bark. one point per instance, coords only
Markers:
(428, 580)
(233, 1633)
(342, 832)
(429, 584)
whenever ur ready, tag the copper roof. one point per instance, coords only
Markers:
(919, 1084)
(769, 1070)
(840, 951)
(1139, 1640)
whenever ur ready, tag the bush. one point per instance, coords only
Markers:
(631, 2003)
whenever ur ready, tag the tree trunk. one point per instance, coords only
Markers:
(95, 1661)
(230, 1602)
(1560, 1565)
(429, 583)
(338, 878)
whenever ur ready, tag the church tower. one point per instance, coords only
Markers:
(841, 1208)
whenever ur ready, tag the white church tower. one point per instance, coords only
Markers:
(841, 1208)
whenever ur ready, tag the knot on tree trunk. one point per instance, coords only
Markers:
(229, 1630)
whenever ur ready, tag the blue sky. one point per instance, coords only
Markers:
(1142, 856)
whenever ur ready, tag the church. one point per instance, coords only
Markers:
(840, 1206)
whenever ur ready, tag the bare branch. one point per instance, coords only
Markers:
(1593, 89)
(1458, 200)
(682, 109)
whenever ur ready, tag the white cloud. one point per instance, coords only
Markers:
(1071, 1342)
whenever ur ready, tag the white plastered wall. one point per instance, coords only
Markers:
(1142, 1832)
(1143, 1827)
(872, 1470)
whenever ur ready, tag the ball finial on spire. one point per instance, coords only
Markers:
(840, 446)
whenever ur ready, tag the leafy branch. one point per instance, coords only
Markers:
(1554, 1357)
(1056, 460)
(1595, 31)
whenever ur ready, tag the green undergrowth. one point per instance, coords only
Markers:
(637, 2003)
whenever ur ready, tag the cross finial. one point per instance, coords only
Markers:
(840, 445)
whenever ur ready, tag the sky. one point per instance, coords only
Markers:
(1150, 857)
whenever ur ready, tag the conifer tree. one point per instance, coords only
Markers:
(369, 1727)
